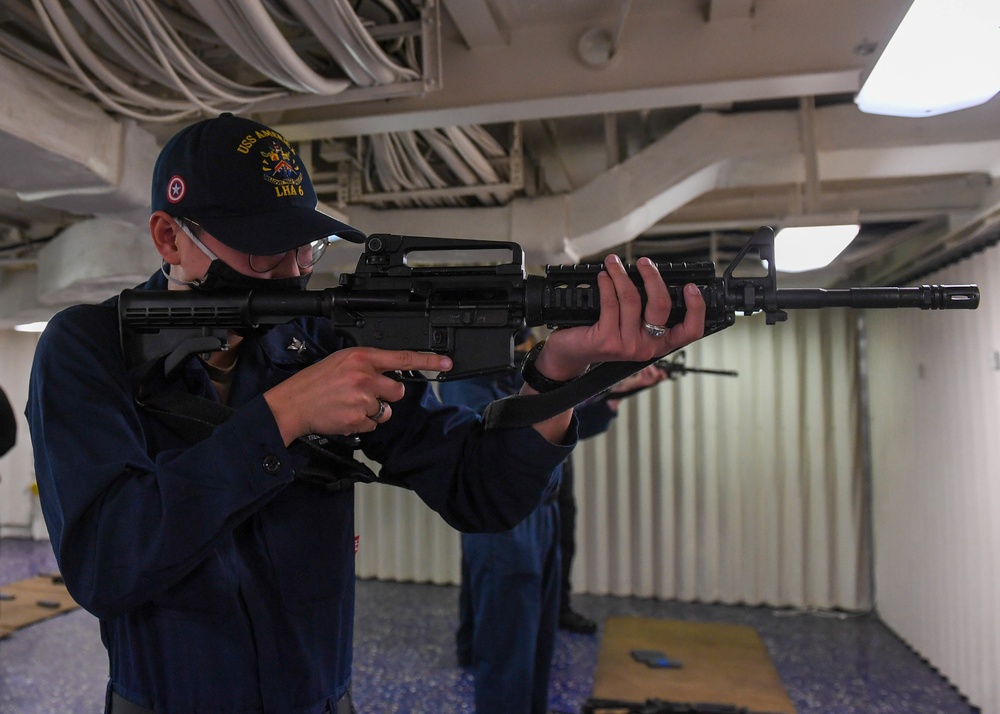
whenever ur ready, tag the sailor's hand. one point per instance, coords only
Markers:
(644, 378)
(626, 331)
(348, 392)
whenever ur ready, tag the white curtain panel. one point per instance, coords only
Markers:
(735, 490)
(718, 489)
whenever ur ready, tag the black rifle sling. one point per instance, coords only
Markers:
(519, 411)
(194, 418)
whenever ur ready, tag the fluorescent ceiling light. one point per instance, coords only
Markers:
(799, 249)
(944, 56)
(30, 327)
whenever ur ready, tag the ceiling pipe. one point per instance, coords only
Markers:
(807, 122)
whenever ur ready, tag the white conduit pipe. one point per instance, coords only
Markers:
(408, 140)
(386, 167)
(456, 158)
(342, 33)
(424, 174)
(229, 25)
(394, 169)
(150, 46)
(181, 87)
(131, 45)
(468, 151)
(460, 136)
(483, 141)
(89, 85)
(399, 163)
(117, 34)
(407, 44)
(41, 62)
(277, 9)
(330, 31)
(247, 28)
(151, 18)
(126, 92)
(63, 29)
(181, 55)
(453, 161)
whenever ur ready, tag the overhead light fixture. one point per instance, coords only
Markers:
(943, 57)
(801, 248)
(30, 327)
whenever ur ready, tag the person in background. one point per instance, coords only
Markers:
(569, 619)
(218, 553)
(595, 418)
(511, 583)
(8, 425)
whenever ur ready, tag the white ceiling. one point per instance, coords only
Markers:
(670, 128)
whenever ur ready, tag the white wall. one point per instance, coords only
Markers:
(935, 414)
(16, 471)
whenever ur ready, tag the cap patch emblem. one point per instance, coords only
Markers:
(281, 169)
(176, 188)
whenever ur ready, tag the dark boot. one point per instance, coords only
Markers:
(575, 622)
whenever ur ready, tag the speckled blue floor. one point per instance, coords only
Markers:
(404, 655)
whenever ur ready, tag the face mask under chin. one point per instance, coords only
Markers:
(220, 276)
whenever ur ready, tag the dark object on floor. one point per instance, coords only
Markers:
(655, 658)
(575, 622)
(658, 706)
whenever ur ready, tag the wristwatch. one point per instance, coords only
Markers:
(535, 379)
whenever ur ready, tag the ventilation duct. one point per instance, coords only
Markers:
(117, 256)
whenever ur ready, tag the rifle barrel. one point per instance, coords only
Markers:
(925, 297)
(695, 370)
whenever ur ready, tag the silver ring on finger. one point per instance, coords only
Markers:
(381, 411)
(655, 330)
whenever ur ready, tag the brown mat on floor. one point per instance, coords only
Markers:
(720, 664)
(29, 601)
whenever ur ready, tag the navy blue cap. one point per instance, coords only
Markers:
(244, 184)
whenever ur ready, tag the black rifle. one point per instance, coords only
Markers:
(677, 367)
(674, 367)
(472, 312)
(659, 706)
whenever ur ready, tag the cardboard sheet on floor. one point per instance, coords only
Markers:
(720, 664)
(29, 601)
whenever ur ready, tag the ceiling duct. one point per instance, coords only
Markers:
(117, 256)
(19, 299)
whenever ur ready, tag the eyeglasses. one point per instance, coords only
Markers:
(306, 255)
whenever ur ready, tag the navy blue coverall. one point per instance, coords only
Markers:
(222, 582)
(511, 581)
